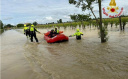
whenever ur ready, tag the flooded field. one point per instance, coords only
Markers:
(75, 59)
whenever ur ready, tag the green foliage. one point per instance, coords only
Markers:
(8, 26)
(85, 23)
(35, 23)
(73, 18)
(111, 22)
(28, 24)
(1, 31)
(116, 23)
(1, 24)
(80, 17)
(72, 2)
(85, 4)
(59, 21)
(105, 23)
(20, 25)
(124, 21)
(94, 23)
(105, 31)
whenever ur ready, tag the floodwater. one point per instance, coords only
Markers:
(75, 59)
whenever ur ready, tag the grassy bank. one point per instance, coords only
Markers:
(1, 31)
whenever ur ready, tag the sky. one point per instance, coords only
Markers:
(46, 11)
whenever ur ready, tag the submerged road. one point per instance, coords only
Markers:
(74, 59)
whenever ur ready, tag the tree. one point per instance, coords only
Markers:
(102, 29)
(73, 17)
(35, 23)
(8, 26)
(20, 25)
(80, 17)
(28, 24)
(1, 24)
(59, 21)
(87, 5)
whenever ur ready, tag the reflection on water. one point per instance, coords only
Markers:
(75, 59)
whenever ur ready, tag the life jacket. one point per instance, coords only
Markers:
(25, 28)
(31, 28)
(78, 33)
(57, 31)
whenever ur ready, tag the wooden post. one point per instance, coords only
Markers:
(120, 22)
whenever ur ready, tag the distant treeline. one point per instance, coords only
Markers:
(84, 22)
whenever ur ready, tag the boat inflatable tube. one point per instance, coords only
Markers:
(58, 38)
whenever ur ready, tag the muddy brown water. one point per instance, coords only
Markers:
(74, 59)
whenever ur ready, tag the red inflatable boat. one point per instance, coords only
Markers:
(57, 38)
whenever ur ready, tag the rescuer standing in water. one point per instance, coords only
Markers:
(33, 31)
(77, 34)
(25, 28)
(27, 31)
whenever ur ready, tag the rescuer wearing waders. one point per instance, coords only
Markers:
(33, 31)
(25, 28)
(28, 32)
(77, 34)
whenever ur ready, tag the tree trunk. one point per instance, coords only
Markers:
(93, 13)
(100, 24)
